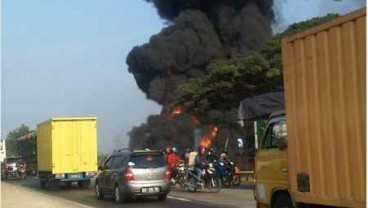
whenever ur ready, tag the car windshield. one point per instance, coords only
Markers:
(13, 160)
(148, 160)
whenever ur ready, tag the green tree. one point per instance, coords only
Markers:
(231, 80)
(11, 140)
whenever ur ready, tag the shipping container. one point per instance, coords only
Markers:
(67, 149)
(325, 96)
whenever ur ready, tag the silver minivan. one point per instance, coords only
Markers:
(129, 173)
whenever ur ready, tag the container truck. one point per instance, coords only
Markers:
(314, 153)
(67, 151)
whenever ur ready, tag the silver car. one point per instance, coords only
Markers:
(128, 173)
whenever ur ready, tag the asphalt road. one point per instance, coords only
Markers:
(18, 193)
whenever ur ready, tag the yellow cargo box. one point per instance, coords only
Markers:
(325, 92)
(67, 145)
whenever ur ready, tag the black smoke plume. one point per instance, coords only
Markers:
(199, 31)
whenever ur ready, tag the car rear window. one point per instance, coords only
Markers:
(148, 160)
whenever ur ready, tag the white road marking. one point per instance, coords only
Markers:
(78, 204)
(177, 198)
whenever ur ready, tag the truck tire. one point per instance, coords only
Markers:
(42, 184)
(282, 201)
(84, 184)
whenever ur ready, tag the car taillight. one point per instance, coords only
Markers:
(168, 174)
(90, 174)
(129, 176)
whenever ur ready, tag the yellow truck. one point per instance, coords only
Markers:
(67, 151)
(314, 153)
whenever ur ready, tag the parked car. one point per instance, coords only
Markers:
(9, 168)
(129, 173)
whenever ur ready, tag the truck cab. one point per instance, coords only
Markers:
(271, 170)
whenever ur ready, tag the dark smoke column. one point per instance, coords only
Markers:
(199, 31)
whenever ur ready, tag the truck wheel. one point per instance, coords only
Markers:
(42, 184)
(282, 201)
(68, 185)
(84, 184)
(98, 192)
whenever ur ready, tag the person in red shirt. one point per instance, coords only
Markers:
(172, 160)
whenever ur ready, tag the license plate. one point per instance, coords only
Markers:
(75, 176)
(151, 190)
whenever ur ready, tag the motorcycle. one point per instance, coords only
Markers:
(180, 175)
(21, 171)
(230, 174)
(209, 180)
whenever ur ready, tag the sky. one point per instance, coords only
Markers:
(67, 58)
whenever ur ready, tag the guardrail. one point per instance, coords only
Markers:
(247, 175)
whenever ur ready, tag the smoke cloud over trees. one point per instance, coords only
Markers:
(199, 31)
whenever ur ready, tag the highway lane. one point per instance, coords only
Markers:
(17, 193)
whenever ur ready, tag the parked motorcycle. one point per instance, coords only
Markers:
(209, 180)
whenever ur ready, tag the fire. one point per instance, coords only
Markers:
(206, 142)
(176, 111)
(214, 131)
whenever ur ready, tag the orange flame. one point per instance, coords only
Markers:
(176, 111)
(214, 130)
(206, 142)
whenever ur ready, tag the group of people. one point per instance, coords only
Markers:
(196, 160)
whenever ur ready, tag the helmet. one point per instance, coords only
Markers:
(187, 149)
(201, 150)
(174, 149)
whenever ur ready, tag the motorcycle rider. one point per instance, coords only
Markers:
(172, 160)
(22, 168)
(211, 157)
(200, 163)
(175, 161)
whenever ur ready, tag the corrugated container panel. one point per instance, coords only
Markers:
(67, 145)
(44, 146)
(325, 83)
(75, 145)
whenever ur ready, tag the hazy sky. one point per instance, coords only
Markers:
(67, 58)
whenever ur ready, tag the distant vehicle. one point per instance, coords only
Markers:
(9, 168)
(129, 173)
(67, 151)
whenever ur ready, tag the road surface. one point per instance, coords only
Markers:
(18, 193)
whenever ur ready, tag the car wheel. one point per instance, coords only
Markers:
(98, 192)
(162, 197)
(118, 196)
